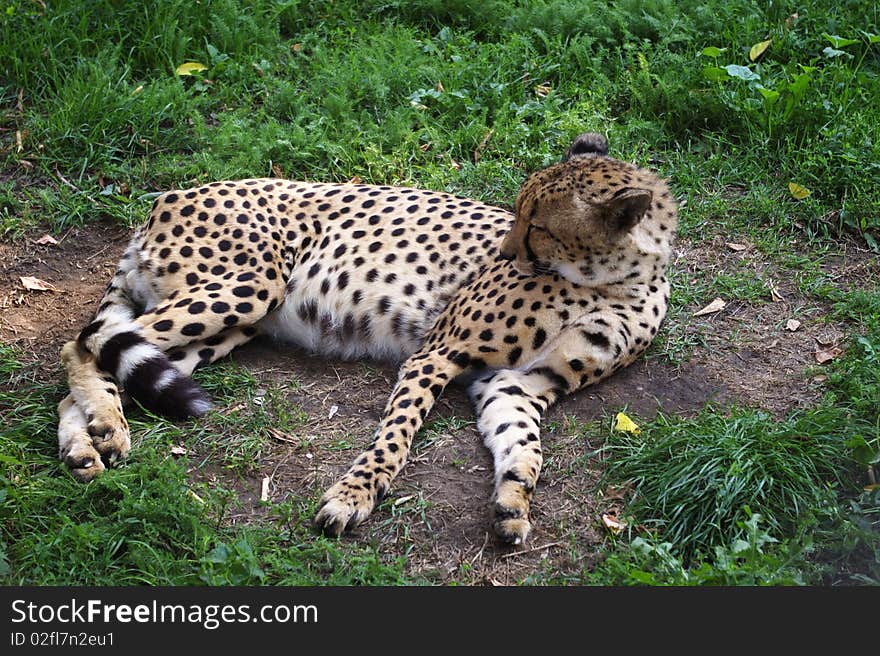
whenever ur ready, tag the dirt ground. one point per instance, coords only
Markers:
(438, 512)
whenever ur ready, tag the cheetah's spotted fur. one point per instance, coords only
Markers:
(535, 305)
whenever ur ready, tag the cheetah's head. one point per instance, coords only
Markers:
(575, 217)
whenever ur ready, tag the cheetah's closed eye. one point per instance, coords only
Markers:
(533, 305)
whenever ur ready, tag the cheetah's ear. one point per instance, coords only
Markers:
(627, 207)
(588, 143)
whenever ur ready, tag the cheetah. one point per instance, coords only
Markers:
(524, 306)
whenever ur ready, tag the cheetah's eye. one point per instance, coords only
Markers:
(530, 254)
(546, 232)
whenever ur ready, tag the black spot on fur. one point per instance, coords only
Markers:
(193, 329)
(597, 339)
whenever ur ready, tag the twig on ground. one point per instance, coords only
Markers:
(525, 551)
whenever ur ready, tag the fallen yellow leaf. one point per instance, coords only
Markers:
(798, 191)
(624, 424)
(758, 49)
(188, 68)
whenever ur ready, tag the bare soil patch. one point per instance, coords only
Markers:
(438, 511)
(79, 267)
(750, 349)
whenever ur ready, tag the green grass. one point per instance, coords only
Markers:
(467, 97)
(698, 482)
(318, 90)
(716, 467)
(752, 557)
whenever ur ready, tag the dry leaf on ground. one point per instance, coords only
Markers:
(281, 437)
(37, 285)
(825, 354)
(478, 153)
(828, 338)
(758, 49)
(798, 191)
(715, 306)
(612, 523)
(188, 68)
(774, 292)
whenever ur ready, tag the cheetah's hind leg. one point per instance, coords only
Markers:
(205, 351)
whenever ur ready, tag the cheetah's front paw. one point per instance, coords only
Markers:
(346, 504)
(510, 512)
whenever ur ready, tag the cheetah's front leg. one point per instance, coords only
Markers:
(348, 502)
(509, 407)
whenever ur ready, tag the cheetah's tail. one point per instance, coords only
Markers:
(139, 366)
(143, 369)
